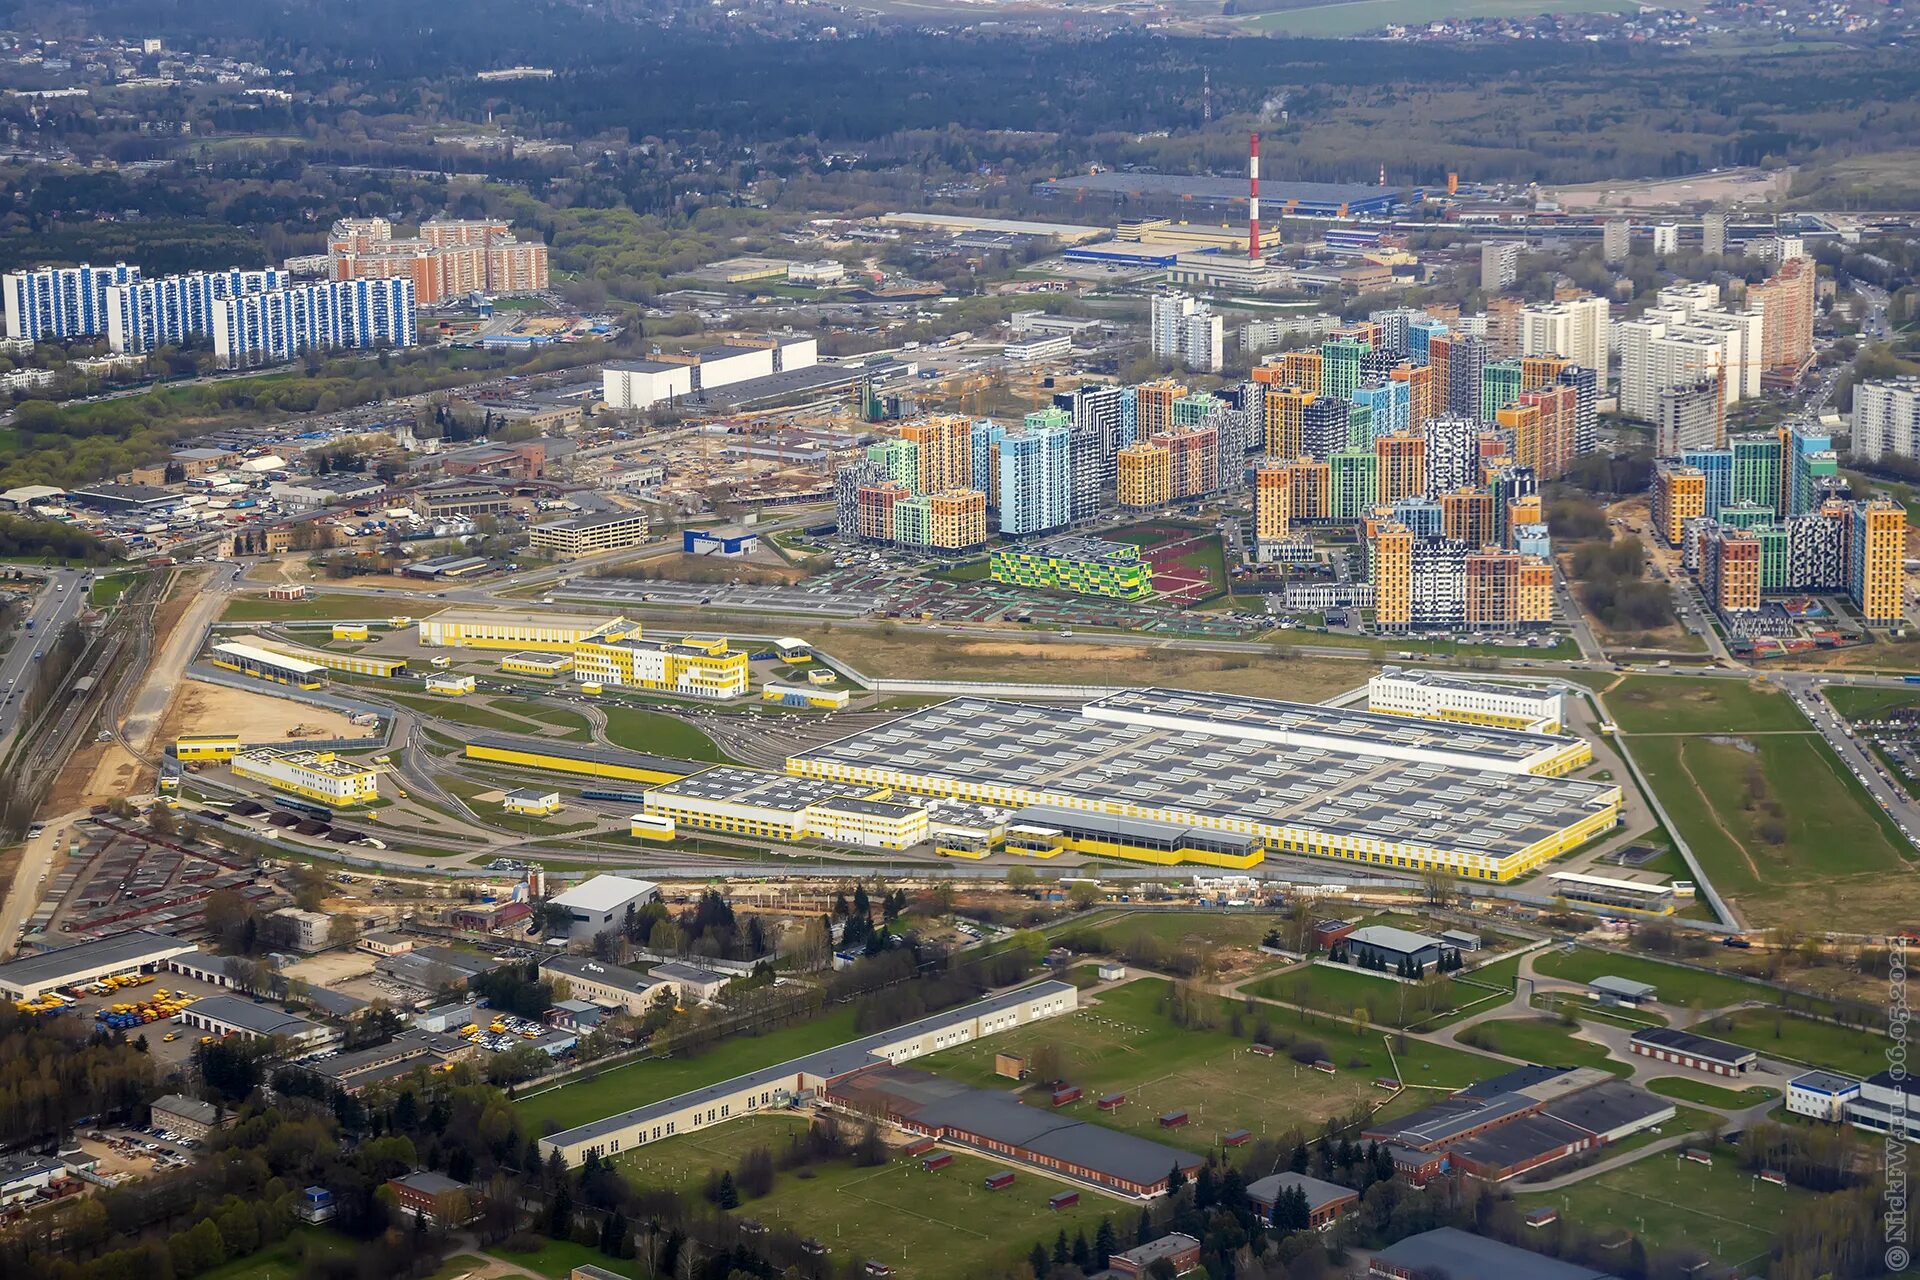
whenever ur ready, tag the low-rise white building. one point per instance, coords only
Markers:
(1821, 1095)
(600, 904)
(1432, 695)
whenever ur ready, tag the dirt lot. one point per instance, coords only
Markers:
(1304, 678)
(256, 717)
(1728, 187)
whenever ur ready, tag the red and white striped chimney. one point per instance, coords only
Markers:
(1253, 196)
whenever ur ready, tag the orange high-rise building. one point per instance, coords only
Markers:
(1400, 467)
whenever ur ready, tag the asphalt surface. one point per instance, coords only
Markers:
(57, 604)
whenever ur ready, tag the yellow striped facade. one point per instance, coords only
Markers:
(358, 664)
(350, 631)
(209, 747)
(1276, 838)
(535, 633)
(537, 664)
(274, 673)
(1490, 720)
(699, 666)
(533, 759)
(316, 775)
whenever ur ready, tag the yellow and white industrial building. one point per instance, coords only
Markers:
(320, 776)
(549, 665)
(696, 666)
(793, 695)
(773, 806)
(531, 802)
(532, 632)
(357, 664)
(350, 631)
(602, 651)
(610, 764)
(1167, 776)
(263, 664)
(207, 746)
(1433, 695)
(449, 684)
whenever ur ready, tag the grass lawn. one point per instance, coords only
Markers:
(657, 733)
(558, 1258)
(1670, 1203)
(1339, 18)
(1684, 1089)
(1343, 991)
(943, 1225)
(108, 590)
(463, 711)
(459, 1265)
(576, 727)
(1835, 855)
(1126, 1043)
(322, 608)
(1670, 704)
(1784, 1035)
(635, 1084)
(285, 1260)
(1673, 985)
(1545, 1041)
(1861, 702)
(1177, 928)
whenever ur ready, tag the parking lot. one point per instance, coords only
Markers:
(166, 1053)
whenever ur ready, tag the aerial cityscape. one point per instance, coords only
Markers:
(1260, 640)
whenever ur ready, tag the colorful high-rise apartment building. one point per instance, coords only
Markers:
(1144, 476)
(945, 457)
(1466, 515)
(1352, 476)
(1400, 467)
(1390, 566)
(1679, 495)
(1876, 549)
(1419, 382)
(1499, 387)
(1286, 415)
(1154, 403)
(1340, 366)
(1272, 502)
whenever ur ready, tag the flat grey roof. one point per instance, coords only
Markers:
(756, 787)
(1824, 1082)
(1167, 1246)
(134, 946)
(825, 1064)
(1622, 986)
(430, 1183)
(1446, 1120)
(192, 1108)
(1388, 938)
(1607, 1107)
(246, 1015)
(594, 521)
(616, 976)
(1461, 1255)
(1320, 1192)
(1199, 769)
(676, 971)
(588, 754)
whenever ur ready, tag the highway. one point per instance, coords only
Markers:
(57, 604)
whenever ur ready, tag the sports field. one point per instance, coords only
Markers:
(1386, 1002)
(635, 1084)
(1672, 1203)
(1124, 1042)
(943, 1225)
(1671, 704)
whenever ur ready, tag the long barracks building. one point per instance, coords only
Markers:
(811, 1075)
(1167, 776)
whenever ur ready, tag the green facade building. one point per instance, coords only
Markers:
(1084, 566)
(1499, 387)
(1340, 366)
(1354, 482)
(1756, 470)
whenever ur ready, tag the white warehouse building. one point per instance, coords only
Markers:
(601, 903)
(1432, 695)
(642, 384)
